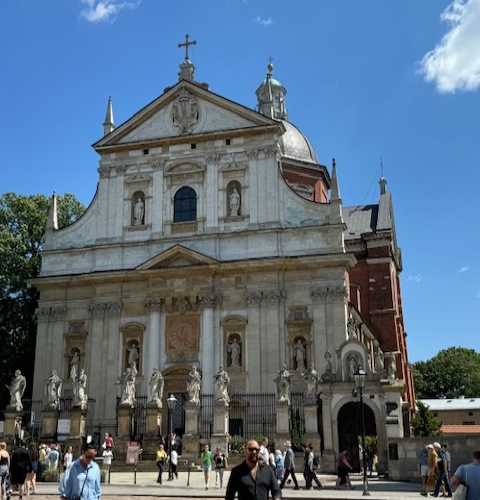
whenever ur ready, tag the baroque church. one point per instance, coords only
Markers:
(217, 238)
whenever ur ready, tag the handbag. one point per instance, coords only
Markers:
(462, 490)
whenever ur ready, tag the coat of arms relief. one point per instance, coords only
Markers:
(185, 112)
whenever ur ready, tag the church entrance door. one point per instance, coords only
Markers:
(176, 384)
(350, 430)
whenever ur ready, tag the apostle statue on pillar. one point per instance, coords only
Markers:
(53, 387)
(74, 366)
(156, 385)
(80, 397)
(311, 381)
(128, 397)
(194, 384)
(283, 385)
(222, 381)
(17, 388)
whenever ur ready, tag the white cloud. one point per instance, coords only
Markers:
(454, 64)
(264, 21)
(96, 11)
(415, 277)
(464, 269)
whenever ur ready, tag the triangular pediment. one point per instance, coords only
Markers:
(185, 110)
(176, 256)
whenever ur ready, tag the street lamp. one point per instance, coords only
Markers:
(360, 376)
(171, 403)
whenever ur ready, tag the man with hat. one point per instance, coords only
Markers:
(82, 479)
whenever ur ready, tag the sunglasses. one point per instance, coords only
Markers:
(253, 450)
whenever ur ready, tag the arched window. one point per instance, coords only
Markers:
(185, 205)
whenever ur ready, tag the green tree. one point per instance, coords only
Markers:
(424, 424)
(22, 226)
(452, 373)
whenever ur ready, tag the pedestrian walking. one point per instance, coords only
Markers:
(161, 460)
(432, 467)
(343, 471)
(32, 475)
(469, 476)
(81, 480)
(264, 454)
(67, 458)
(423, 465)
(289, 466)
(4, 471)
(207, 459)
(53, 457)
(107, 455)
(20, 466)
(442, 471)
(220, 462)
(174, 463)
(252, 479)
(279, 465)
(310, 467)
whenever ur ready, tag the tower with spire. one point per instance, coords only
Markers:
(108, 124)
(271, 97)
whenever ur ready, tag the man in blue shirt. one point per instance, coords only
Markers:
(82, 478)
(469, 475)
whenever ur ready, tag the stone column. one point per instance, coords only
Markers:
(191, 436)
(252, 350)
(207, 350)
(311, 424)
(111, 349)
(283, 418)
(49, 422)
(328, 458)
(152, 344)
(220, 436)
(321, 341)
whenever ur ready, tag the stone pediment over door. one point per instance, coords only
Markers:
(184, 110)
(177, 256)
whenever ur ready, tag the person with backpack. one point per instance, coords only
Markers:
(442, 471)
(220, 462)
(311, 465)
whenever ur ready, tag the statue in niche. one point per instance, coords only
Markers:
(283, 385)
(53, 388)
(222, 380)
(352, 328)
(128, 397)
(234, 348)
(328, 375)
(311, 380)
(353, 365)
(74, 365)
(139, 211)
(392, 368)
(80, 397)
(299, 353)
(379, 362)
(133, 355)
(156, 385)
(194, 384)
(234, 202)
(17, 388)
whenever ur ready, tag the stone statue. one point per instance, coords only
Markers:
(133, 355)
(328, 375)
(80, 397)
(74, 366)
(352, 328)
(352, 366)
(139, 212)
(392, 368)
(128, 387)
(379, 362)
(299, 356)
(156, 386)
(222, 380)
(311, 380)
(283, 385)
(234, 348)
(17, 388)
(53, 387)
(234, 202)
(194, 384)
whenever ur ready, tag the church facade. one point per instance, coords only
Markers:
(217, 239)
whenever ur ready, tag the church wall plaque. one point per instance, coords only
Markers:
(182, 337)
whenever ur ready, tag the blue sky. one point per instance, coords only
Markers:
(356, 84)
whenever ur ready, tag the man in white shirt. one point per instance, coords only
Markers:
(263, 454)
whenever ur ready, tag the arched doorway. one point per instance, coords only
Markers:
(176, 384)
(350, 429)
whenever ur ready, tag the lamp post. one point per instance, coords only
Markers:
(171, 403)
(360, 376)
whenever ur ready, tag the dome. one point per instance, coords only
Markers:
(295, 145)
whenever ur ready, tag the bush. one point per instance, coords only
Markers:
(237, 444)
(50, 475)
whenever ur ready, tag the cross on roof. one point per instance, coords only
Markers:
(186, 44)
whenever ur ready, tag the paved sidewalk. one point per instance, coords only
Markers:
(122, 486)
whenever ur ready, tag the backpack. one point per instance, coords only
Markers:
(316, 461)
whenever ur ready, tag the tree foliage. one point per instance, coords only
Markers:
(424, 424)
(22, 226)
(452, 373)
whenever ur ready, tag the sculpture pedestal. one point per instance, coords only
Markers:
(124, 421)
(11, 416)
(220, 436)
(311, 426)
(78, 429)
(154, 420)
(191, 436)
(49, 424)
(283, 417)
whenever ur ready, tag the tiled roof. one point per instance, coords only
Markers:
(452, 404)
(460, 429)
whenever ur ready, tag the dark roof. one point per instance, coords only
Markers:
(360, 219)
